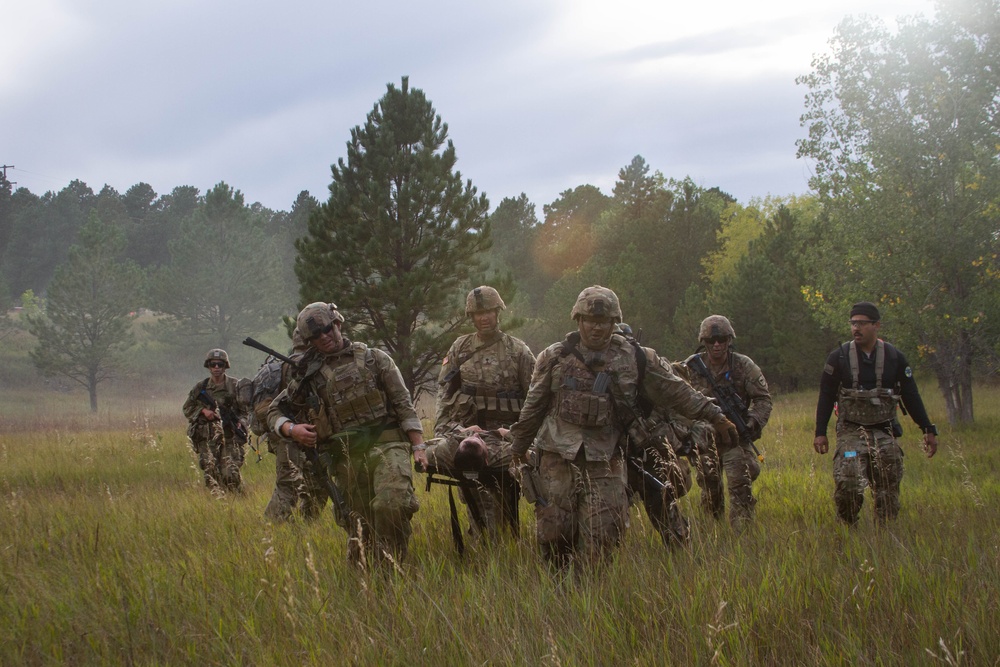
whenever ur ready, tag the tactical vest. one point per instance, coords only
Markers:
(496, 400)
(354, 396)
(867, 407)
(578, 400)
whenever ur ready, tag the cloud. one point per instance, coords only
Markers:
(539, 97)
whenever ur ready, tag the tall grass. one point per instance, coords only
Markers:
(112, 552)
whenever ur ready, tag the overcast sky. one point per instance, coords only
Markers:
(539, 96)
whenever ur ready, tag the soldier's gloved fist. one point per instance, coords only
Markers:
(725, 433)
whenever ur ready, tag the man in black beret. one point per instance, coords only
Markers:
(866, 378)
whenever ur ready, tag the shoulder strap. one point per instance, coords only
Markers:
(852, 356)
(879, 362)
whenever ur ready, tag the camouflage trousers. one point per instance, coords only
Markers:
(704, 457)
(742, 468)
(656, 478)
(587, 508)
(378, 489)
(866, 457)
(296, 484)
(219, 457)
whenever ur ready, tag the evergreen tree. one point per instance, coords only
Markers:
(763, 298)
(223, 280)
(87, 321)
(399, 240)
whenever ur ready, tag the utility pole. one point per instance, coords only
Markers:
(5, 167)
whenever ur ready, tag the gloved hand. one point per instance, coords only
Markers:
(726, 435)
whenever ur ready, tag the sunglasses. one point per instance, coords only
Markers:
(216, 364)
(716, 339)
(857, 324)
(325, 330)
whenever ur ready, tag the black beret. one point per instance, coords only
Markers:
(866, 308)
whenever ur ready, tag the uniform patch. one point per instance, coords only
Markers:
(908, 372)
(828, 369)
(850, 455)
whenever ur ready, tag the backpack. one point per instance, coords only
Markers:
(266, 385)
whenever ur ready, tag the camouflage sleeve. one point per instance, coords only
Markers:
(396, 391)
(756, 391)
(536, 403)
(192, 406)
(444, 402)
(276, 410)
(525, 367)
(671, 393)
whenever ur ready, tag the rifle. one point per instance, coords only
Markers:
(648, 477)
(310, 452)
(730, 402)
(331, 488)
(228, 418)
(256, 344)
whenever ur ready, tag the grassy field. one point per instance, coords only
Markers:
(112, 552)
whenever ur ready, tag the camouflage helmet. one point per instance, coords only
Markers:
(315, 317)
(298, 345)
(483, 298)
(715, 325)
(597, 301)
(216, 354)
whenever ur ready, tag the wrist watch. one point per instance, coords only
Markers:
(932, 430)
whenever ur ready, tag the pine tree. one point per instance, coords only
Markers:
(87, 321)
(398, 241)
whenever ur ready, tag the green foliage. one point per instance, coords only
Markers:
(903, 131)
(763, 299)
(115, 554)
(566, 240)
(86, 325)
(30, 257)
(223, 280)
(399, 240)
(514, 230)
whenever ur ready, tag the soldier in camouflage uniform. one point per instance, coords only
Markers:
(738, 371)
(348, 403)
(655, 474)
(483, 380)
(583, 398)
(292, 488)
(216, 431)
(861, 377)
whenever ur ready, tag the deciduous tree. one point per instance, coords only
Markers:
(903, 131)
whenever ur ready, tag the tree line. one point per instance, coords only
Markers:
(900, 129)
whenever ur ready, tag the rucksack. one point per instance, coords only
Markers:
(266, 385)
